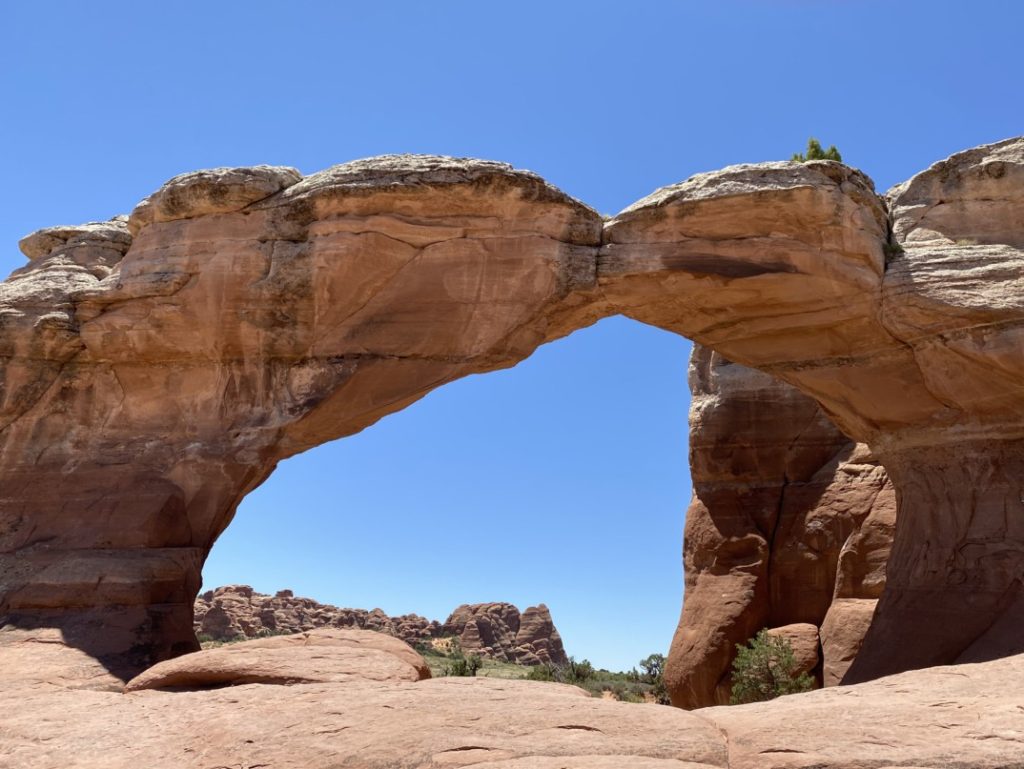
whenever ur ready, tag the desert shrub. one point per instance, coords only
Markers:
(464, 666)
(461, 665)
(892, 250)
(654, 675)
(766, 669)
(267, 632)
(573, 672)
(815, 152)
(630, 694)
(652, 665)
(578, 672)
(543, 672)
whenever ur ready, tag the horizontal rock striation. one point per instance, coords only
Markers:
(493, 630)
(148, 386)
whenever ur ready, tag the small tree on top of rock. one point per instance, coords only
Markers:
(766, 669)
(815, 152)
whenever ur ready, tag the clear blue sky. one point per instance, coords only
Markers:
(563, 480)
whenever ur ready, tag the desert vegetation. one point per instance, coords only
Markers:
(641, 684)
(765, 668)
(814, 151)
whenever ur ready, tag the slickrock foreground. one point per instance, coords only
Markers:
(71, 714)
(493, 630)
(156, 368)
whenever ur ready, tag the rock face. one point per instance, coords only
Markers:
(233, 611)
(494, 630)
(256, 313)
(788, 516)
(72, 713)
(499, 631)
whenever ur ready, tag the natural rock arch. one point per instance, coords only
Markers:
(156, 369)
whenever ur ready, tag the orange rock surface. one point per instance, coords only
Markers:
(156, 369)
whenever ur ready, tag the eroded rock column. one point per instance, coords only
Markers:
(780, 499)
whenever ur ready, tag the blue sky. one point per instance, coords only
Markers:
(563, 480)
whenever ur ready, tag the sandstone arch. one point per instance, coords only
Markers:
(155, 369)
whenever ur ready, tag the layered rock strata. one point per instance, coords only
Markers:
(255, 313)
(493, 630)
(790, 521)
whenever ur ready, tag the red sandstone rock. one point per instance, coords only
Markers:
(319, 656)
(494, 630)
(802, 638)
(781, 499)
(965, 716)
(252, 317)
(154, 387)
(497, 630)
(235, 611)
(842, 633)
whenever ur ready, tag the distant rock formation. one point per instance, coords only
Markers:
(499, 631)
(494, 630)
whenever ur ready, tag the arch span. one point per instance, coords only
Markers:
(156, 368)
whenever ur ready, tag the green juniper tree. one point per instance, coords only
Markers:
(815, 152)
(766, 669)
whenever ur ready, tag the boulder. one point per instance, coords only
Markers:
(802, 638)
(319, 656)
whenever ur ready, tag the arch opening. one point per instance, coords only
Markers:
(560, 481)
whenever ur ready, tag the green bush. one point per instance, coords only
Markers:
(573, 672)
(652, 667)
(815, 152)
(543, 672)
(464, 666)
(766, 669)
(628, 686)
(654, 675)
(578, 672)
